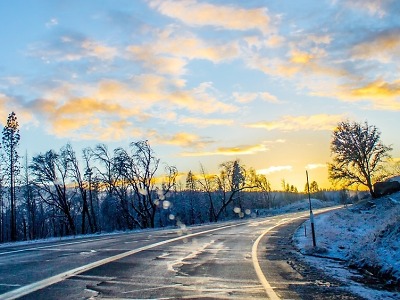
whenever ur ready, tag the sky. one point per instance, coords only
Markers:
(204, 82)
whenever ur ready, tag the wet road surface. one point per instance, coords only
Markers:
(236, 260)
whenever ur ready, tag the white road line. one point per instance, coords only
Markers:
(30, 288)
(267, 286)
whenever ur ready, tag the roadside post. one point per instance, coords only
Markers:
(311, 214)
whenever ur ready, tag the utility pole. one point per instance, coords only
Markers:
(311, 214)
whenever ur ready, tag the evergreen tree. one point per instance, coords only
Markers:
(10, 143)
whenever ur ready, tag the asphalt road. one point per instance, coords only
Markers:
(218, 261)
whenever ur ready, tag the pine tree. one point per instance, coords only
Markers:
(10, 143)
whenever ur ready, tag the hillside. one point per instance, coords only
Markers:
(366, 236)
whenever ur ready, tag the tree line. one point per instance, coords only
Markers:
(59, 193)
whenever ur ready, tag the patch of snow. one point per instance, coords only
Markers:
(365, 235)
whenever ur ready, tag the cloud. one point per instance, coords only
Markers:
(299, 57)
(256, 42)
(315, 166)
(170, 50)
(86, 118)
(278, 141)
(5, 82)
(184, 139)
(231, 151)
(296, 123)
(372, 7)
(10, 104)
(175, 42)
(98, 50)
(377, 89)
(381, 94)
(158, 63)
(194, 13)
(80, 110)
(249, 97)
(200, 99)
(52, 22)
(72, 47)
(3, 110)
(274, 169)
(376, 94)
(96, 129)
(302, 64)
(320, 39)
(383, 46)
(203, 122)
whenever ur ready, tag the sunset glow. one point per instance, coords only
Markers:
(203, 81)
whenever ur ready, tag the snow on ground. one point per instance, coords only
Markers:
(300, 205)
(365, 235)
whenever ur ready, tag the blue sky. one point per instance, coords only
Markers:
(203, 81)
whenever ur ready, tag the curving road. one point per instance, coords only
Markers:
(218, 261)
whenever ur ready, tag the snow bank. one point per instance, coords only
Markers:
(365, 235)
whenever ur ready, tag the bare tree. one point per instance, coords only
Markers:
(145, 166)
(140, 166)
(122, 183)
(30, 204)
(207, 183)
(107, 174)
(191, 188)
(358, 154)
(261, 183)
(88, 175)
(50, 176)
(231, 181)
(69, 155)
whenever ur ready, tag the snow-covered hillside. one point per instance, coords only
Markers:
(365, 235)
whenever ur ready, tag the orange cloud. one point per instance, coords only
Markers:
(229, 151)
(377, 89)
(187, 45)
(195, 13)
(81, 110)
(184, 139)
(299, 57)
(158, 63)
(99, 50)
(292, 123)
